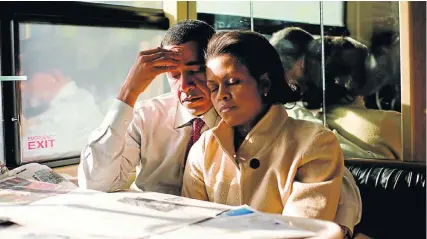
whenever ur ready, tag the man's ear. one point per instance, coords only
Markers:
(264, 83)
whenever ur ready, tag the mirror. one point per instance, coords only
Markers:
(362, 80)
(290, 27)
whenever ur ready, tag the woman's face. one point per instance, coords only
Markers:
(235, 94)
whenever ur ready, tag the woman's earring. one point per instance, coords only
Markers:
(265, 94)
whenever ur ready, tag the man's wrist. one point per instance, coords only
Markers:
(127, 96)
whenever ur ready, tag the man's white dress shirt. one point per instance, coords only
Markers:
(151, 137)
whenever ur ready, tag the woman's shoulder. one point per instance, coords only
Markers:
(304, 128)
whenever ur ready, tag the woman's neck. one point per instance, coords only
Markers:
(241, 131)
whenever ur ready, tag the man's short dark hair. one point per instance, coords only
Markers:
(189, 30)
(291, 43)
(256, 53)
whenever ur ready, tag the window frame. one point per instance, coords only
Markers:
(62, 13)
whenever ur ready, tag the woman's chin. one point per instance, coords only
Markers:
(232, 122)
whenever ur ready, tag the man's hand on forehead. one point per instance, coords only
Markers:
(177, 49)
(162, 59)
(149, 64)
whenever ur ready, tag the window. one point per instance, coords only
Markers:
(76, 55)
(74, 73)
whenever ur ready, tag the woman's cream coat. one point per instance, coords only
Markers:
(300, 172)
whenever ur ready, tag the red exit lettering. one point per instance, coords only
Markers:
(41, 144)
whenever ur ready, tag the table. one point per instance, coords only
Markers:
(86, 212)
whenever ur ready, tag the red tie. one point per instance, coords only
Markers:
(197, 126)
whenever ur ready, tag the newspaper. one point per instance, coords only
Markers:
(38, 172)
(30, 183)
(241, 222)
(15, 190)
(166, 203)
(45, 205)
(97, 215)
(3, 171)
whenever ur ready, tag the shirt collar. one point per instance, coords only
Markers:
(183, 117)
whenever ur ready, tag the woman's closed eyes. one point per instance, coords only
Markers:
(230, 82)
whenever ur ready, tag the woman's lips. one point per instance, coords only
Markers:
(226, 108)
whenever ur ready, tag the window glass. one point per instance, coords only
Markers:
(74, 74)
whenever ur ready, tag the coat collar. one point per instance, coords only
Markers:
(258, 139)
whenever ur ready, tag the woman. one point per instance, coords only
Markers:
(257, 155)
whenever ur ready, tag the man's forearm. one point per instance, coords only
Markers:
(127, 96)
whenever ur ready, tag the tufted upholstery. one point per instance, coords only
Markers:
(393, 198)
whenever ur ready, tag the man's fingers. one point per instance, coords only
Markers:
(160, 55)
(163, 69)
(164, 62)
(152, 51)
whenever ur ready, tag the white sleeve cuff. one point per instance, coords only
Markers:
(118, 117)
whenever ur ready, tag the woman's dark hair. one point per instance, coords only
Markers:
(345, 71)
(255, 52)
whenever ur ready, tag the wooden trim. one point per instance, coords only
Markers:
(413, 79)
(177, 11)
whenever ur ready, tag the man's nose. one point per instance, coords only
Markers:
(187, 83)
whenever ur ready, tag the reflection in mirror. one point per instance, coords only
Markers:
(362, 80)
(300, 24)
(290, 26)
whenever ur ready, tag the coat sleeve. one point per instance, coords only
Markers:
(349, 212)
(317, 183)
(194, 182)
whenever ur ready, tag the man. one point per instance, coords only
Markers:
(153, 136)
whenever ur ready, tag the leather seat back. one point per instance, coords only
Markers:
(393, 198)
